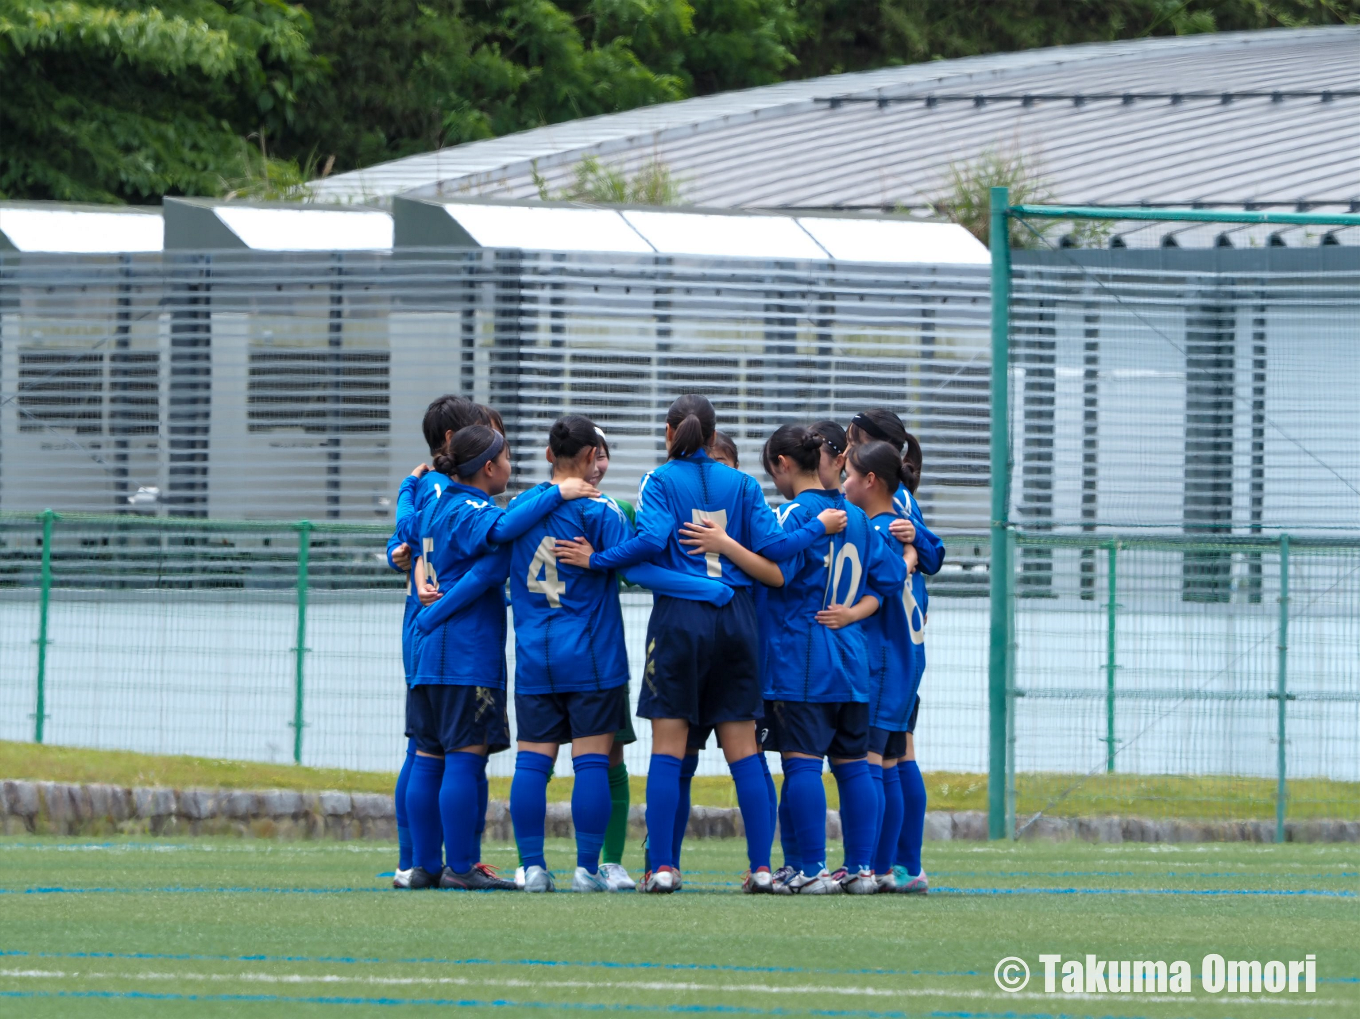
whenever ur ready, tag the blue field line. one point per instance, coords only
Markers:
(941, 890)
(1336, 876)
(348, 960)
(278, 999)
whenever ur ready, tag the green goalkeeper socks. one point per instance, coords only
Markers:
(616, 835)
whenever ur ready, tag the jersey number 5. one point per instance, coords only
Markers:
(719, 519)
(427, 547)
(545, 562)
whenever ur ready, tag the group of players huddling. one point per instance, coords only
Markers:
(798, 629)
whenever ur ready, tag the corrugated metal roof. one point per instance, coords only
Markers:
(787, 146)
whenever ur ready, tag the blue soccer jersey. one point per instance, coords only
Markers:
(929, 558)
(414, 496)
(894, 639)
(465, 647)
(694, 488)
(804, 660)
(568, 624)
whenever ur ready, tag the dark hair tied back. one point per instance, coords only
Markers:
(880, 460)
(466, 445)
(694, 421)
(833, 434)
(912, 462)
(801, 445)
(572, 433)
(448, 413)
(882, 424)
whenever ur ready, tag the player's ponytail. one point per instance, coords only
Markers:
(881, 460)
(802, 446)
(693, 421)
(878, 423)
(572, 433)
(911, 463)
(469, 450)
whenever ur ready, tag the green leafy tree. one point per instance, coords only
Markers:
(121, 101)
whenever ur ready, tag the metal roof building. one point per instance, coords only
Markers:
(1261, 119)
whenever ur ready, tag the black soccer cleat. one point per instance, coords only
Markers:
(481, 878)
(422, 878)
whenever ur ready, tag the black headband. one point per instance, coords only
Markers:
(864, 424)
(836, 447)
(471, 467)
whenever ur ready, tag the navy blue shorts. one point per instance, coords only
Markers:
(443, 719)
(563, 717)
(821, 730)
(887, 743)
(915, 710)
(703, 661)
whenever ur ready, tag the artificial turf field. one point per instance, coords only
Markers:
(252, 928)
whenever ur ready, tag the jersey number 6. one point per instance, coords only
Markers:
(545, 562)
(719, 519)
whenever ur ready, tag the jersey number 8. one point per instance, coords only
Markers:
(545, 562)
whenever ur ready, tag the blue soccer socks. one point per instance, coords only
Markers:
(913, 817)
(892, 820)
(753, 798)
(663, 794)
(876, 777)
(422, 812)
(806, 799)
(483, 795)
(404, 855)
(788, 835)
(771, 795)
(529, 805)
(458, 799)
(688, 767)
(590, 808)
(858, 813)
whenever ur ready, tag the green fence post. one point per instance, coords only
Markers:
(304, 555)
(1281, 688)
(1109, 665)
(44, 601)
(1001, 580)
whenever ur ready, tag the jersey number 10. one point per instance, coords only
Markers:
(545, 562)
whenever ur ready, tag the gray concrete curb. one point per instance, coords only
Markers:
(56, 808)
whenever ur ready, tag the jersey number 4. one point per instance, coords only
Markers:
(544, 563)
(719, 519)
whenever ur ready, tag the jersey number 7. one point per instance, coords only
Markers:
(545, 562)
(719, 519)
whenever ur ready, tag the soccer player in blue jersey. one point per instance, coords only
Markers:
(571, 665)
(893, 633)
(816, 673)
(443, 417)
(702, 660)
(456, 709)
(924, 558)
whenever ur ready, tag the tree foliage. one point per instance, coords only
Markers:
(129, 100)
(122, 101)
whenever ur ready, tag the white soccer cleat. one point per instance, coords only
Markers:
(820, 884)
(886, 882)
(758, 882)
(918, 885)
(402, 878)
(617, 877)
(861, 883)
(536, 879)
(661, 882)
(519, 876)
(585, 881)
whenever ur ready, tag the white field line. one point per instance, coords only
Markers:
(660, 985)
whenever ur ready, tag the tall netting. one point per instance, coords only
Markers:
(1185, 499)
